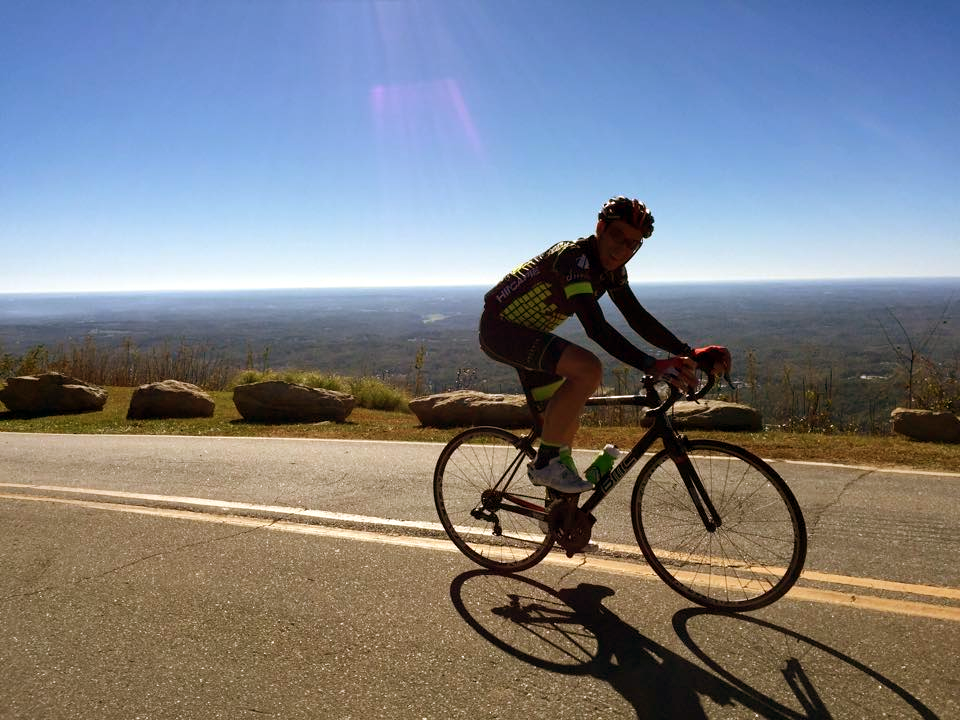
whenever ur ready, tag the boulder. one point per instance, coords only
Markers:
(926, 425)
(275, 401)
(169, 399)
(715, 415)
(463, 408)
(51, 394)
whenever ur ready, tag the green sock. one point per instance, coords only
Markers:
(546, 453)
(566, 457)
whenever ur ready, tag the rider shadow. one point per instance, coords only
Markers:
(570, 631)
(806, 668)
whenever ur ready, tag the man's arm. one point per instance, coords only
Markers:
(601, 332)
(645, 324)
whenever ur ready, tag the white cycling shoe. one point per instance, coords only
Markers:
(557, 476)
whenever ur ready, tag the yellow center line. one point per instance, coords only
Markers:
(875, 584)
(947, 593)
(598, 564)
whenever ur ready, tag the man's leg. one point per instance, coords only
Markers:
(554, 371)
(582, 373)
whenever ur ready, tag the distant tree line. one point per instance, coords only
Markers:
(125, 365)
(810, 396)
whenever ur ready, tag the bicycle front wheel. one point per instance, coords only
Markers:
(752, 558)
(481, 491)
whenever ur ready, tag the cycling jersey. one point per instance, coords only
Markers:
(565, 280)
(539, 294)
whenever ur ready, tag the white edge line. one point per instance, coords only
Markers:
(291, 514)
(222, 437)
(868, 468)
(771, 461)
(865, 602)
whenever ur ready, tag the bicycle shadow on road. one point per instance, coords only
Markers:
(788, 667)
(569, 631)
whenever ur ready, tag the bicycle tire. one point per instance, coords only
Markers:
(752, 559)
(473, 468)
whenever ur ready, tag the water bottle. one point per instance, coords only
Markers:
(602, 464)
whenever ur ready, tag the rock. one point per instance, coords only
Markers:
(51, 394)
(463, 408)
(278, 401)
(169, 399)
(926, 425)
(715, 415)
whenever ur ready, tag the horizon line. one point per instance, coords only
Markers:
(307, 288)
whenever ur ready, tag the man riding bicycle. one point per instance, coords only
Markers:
(522, 310)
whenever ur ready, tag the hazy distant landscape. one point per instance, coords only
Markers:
(793, 342)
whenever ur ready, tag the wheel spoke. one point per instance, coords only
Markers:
(755, 555)
(470, 482)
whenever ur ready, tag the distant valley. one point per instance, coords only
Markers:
(811, 333)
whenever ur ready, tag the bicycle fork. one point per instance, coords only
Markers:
(691, 479)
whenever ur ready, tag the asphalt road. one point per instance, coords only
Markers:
(159, 577)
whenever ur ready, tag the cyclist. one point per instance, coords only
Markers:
(522, 310)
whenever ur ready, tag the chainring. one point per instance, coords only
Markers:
(572, 527)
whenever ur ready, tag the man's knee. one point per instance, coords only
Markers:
(594, 375)
(581, 366)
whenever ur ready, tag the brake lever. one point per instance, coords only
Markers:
(695, 395)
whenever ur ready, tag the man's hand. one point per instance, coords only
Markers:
(681, 372)
(713, 359)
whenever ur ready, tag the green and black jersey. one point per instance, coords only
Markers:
(569, 279)
(539, 294)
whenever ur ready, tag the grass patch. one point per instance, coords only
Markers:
(369, 392)
(366, 423)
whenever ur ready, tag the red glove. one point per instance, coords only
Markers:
(714, 359)
(678, 371)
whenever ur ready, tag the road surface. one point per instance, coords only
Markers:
(163, 577)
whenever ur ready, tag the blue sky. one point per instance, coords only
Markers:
(264, 143)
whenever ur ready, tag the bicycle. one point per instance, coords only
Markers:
(715, 522)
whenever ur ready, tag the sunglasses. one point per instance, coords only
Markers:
(619, 237)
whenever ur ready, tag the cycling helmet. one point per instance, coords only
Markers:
(632, 212)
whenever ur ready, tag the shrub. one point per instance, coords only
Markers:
(369, 392)
(377, 395)
(125, 365)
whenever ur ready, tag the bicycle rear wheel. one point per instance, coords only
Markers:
(481, 489)
(751, 559)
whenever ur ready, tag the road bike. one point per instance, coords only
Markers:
(715, 522)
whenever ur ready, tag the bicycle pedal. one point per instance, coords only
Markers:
(591, 548)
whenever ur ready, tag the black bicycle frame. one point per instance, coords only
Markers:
(661, 429)
(617, 473)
